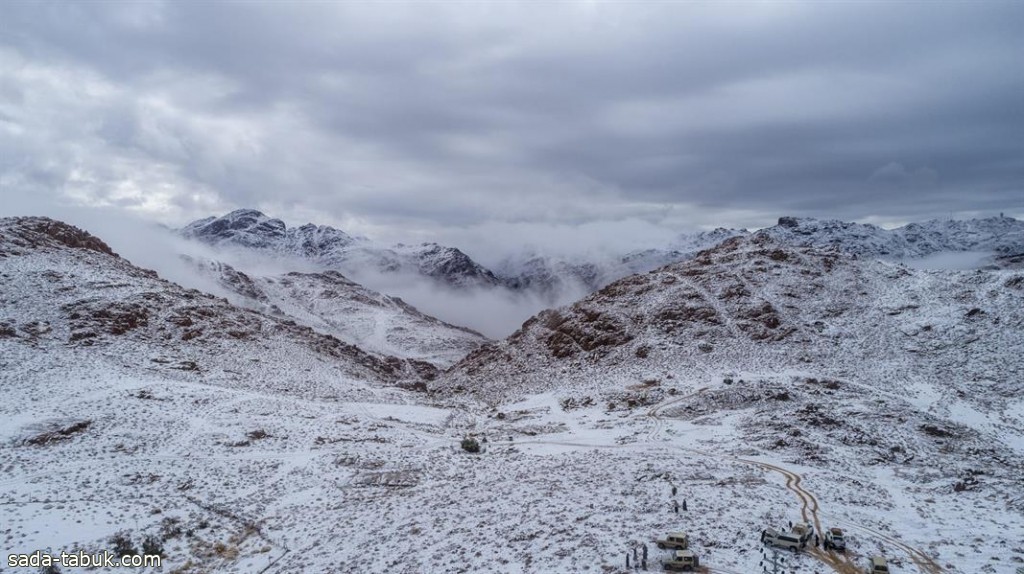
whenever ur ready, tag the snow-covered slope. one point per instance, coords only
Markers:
(901, 388)
(67, 294)
(1004, 235)
(995, 241)
(334, 249)
(755, 385)
(754, 302)
(330, 303)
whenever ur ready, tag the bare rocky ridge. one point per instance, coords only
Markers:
(42, 233)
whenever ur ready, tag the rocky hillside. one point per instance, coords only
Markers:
(331, 303)
(757, 303)
(1004, 235)
(334, 249)
(1001, 236)
(66, 295)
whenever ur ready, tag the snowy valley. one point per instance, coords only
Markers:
(303, 422)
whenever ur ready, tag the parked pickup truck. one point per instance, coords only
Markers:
(681, 561)
(676, 540)
(803, 531)
(877, 565)
(834, 540)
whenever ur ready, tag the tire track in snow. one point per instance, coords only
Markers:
(923, 561)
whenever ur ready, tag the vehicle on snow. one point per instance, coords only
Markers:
(877, 565)
(675, 540)
(784, 540)
(681, 561)
(803, 531)
(834, 540)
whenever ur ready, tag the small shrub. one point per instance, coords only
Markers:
(470, 444)
(152, 546)
(121, 545)
(170, 528)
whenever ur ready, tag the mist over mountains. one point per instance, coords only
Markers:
(447, 282)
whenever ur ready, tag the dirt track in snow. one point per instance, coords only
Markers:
(843, 563)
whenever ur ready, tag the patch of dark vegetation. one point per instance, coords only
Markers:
(7, 329)
(145, 395)
(59, 434)
(121, 544)
(471, 445)
(935, 431)
(186, 366)
(258, 434)
(827, 383)
(813, 415)
(152, 546)
(568, 404)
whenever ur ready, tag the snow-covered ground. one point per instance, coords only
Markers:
(256, 445)
(340, 486)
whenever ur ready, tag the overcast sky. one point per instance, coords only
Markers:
(463, 121)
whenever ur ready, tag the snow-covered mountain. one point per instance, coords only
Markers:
(334, 249)
(331, 303)
(553, 277)
(997, 241)
(68, 295)
(1004, 235)
(754, 302)
(754, 385)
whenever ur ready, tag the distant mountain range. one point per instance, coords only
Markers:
(550, 275)
(335, 249)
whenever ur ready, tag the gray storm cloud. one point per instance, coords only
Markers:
(463, 120)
